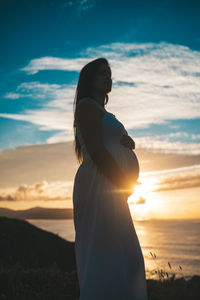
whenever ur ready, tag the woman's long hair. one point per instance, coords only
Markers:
(84, 89)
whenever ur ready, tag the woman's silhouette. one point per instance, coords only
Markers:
(110, 264)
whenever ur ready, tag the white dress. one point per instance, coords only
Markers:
(110, 263)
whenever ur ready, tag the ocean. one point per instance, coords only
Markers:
(173, 241)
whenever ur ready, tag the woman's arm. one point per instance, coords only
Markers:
(127, 141)
(89, 118)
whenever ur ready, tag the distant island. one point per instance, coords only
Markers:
(38, 213)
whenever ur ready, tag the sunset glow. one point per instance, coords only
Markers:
(144, 186)
(139, 204)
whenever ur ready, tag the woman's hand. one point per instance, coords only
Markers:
(127, 141)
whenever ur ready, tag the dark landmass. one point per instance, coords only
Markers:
(30, 246)
(38, 213)
(58, 214)
(36, 264)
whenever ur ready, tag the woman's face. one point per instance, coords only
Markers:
(103, 81)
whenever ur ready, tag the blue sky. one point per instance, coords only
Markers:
(153, 48)
(44, 44)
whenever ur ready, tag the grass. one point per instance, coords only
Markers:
(161, 273)
(52, 283)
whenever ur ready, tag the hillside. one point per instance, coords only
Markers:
(24, 243)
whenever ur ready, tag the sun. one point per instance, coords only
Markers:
(143, 187)
(140, 202)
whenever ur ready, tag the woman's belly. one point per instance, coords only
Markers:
(126, 159)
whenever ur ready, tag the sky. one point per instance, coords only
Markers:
(153, 48)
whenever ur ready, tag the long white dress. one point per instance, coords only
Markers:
(110, 263)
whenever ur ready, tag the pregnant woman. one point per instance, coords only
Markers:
(110, 264)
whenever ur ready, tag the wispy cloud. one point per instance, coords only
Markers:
(12, 96)
(172, 171)
(85, 5)
(175, 179)
(36, 90)
(152, 84)
(163, 144)
(54, 63)
(179, 182)
(56, 106)
(80, 5)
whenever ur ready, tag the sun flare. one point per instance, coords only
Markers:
(140, 202)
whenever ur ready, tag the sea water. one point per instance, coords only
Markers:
(173, 241)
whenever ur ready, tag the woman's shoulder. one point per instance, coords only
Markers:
(87, 106)
(85, 103)
(89, 102)
(83, 100)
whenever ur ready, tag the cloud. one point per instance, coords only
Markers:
(56, 112)
(163, 144)
(85, 5)
(12, 96)
(80, 5)
(179, 182)
(178, 178)
(179, 170)
(56, 162)
(153, 83)
(41, 191)
(54, 63)
(47, 172)
(59, 137)
(141, 200)
(39, 91)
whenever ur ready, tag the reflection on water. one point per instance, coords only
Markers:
(177, 242)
